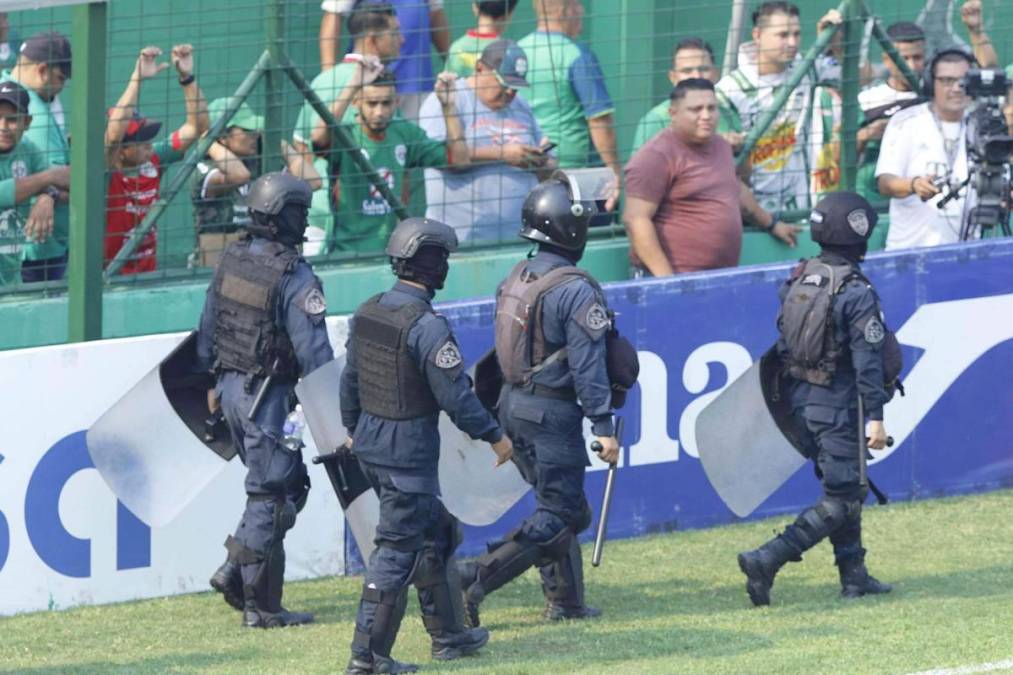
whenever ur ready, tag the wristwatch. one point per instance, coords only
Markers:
(52, 192)
(188, 80)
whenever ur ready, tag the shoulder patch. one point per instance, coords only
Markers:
(596, 318)
(314, 302)
(448, 356)
(874, 331)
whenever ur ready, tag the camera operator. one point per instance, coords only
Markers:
(923, 154)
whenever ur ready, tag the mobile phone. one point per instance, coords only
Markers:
(547, 148)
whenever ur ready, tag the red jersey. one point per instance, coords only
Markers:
(128, 200)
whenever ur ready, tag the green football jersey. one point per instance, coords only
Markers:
(364, 219)
(566, 89)
(466, 50)
(48, 137)
(24, 160)
(327, 85)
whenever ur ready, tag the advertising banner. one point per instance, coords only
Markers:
(65, 540)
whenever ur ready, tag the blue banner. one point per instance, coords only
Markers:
(952, 310)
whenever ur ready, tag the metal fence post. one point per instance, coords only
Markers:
(88, 172)
(274, 31)
(850, 85)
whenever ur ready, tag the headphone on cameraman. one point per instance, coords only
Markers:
(929, 74)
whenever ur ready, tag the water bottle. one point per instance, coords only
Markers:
(295, 425)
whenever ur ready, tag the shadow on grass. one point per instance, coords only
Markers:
(667, 597)
(191, 662)
(557, 652)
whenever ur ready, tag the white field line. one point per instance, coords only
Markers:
(978, 668)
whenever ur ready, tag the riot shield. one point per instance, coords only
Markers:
(748, 440)
(320, 397)
(473, 489)
(155, 447)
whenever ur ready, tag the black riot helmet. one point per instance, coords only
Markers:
(279, 203)
(554, 213)
(419, 249)
(842, 219)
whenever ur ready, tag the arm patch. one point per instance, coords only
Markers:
(448, 356)
(593, 318)
(874, 332)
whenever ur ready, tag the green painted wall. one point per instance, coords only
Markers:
(158, 307)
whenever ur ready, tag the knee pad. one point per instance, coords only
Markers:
(827, 516)
(557, 547)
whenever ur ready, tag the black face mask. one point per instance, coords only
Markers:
(429, 266)
(855, 253)
(573, 256)
(290, 224)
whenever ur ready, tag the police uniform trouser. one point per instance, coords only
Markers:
(274, 475)
(833, 443)
(414, 539)
(549, 452)
(563, 579)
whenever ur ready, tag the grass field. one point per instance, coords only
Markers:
(673, 604)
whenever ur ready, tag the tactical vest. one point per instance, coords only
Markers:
(390, 384)
(520, 339)
(247, 338)
(806, 320)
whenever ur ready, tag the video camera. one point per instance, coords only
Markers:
(989, 147)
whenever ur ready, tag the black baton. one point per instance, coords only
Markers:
(606, 499)
(863, 456)
(264, 386)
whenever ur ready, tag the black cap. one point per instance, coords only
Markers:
(13, 93)
(843, 219)
(139, 129)
(53, 49)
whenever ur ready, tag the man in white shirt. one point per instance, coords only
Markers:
(924, 154)
(882, 101)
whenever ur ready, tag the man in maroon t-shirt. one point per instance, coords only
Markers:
(684, 200)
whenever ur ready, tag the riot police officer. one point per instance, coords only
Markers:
(833, 345)
(403, 367)
(261, 328)
(551, 321)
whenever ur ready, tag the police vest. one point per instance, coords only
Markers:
(247, 337)
(390, 383)
(520, 338)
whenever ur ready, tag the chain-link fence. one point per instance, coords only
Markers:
(197, 109)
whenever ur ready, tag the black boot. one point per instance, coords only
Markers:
(451, 645)
(378, 664)
(563, 586)
(761, 565)
(229, 582)
(856, 580)
(262, 607)
(507, 561)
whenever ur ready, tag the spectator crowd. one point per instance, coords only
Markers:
(466, 145)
